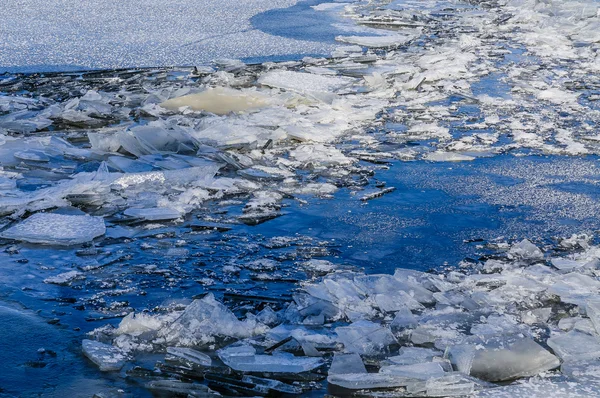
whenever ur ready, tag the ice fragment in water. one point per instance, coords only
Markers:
(441, 156)
(347, 363)
(244, 359)
(178, 388)
(56, 229)
(107, 357)
(219, 101)
(65, 278)
(153, 214)
(188, 355)
(318, 86)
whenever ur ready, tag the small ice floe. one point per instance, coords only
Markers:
(65, 278)
(56, 229)
(106, 357)
(441, 156)
(243, 358)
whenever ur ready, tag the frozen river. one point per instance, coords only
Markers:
(60, 35)
(395, 198)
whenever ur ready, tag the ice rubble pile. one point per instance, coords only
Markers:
(484, 79)
(519, 315)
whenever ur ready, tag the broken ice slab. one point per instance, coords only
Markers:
(107, 357)
(368, 381)
(449, 385)
(251, 385)
(413, 355)
(318, 86)
(575, 346)
(347, 363)
(501, 360)
(153, 214)
(188, 355)
(365, 337)
(442, 156)
(385, 41)
(220, 101)
(575, 288)
(243, 358)
(177, 388)
(417, 371)
(391, 285)
(56, 229)
(65, 278)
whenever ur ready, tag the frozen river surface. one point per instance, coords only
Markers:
(415, 215)
(64, 35)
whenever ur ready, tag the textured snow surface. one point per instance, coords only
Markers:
(76, 35)
(56, 229)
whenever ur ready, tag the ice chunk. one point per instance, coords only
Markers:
(413, 355)
(592, 309)
(575, 346)
(365, 337)
(418, 371)
(360, 381)
(500, 360)
(65, 278)
(188, 355)
(206, 318)
(153, 214)
(107, 357)
(244, 359)
(525, 250)
(219, 101)
(441, 156)
(347, 363)
(318, 86)
(179, 388)
(56, 229)
(392, 40)
(444, 386)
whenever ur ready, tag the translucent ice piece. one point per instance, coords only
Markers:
(188, 355)
(65, 278)
(242, 359)
(107, 357)
(56, 229)
(153, 214)
(366, 338)
(347, 363)
(575, 346)
(418, 371)
(412, 355)
(525, 250)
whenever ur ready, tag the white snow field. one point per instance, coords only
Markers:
(59, 35)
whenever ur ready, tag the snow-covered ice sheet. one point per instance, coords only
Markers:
(75, 35)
